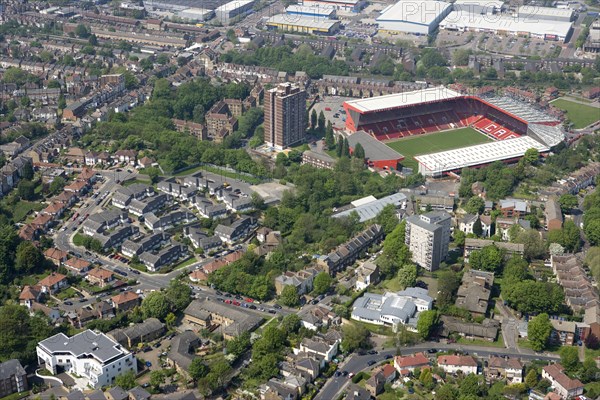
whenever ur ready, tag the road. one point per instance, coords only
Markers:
(356, 363)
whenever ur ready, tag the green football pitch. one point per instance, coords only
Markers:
(580, 114)
(434, 142)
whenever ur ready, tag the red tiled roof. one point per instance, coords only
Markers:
(52, 279)
(30, 292)
(77, 263)
(414, 360)
(466, 361)
(41, 220)
(556, 372)
(55, 254)
(199, 275)
(124, 297)
(100, 273)
(53, 208)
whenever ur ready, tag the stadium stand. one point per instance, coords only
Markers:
(430, 110)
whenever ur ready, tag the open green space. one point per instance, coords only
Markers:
(434, 142)
(498, 343)
(23, 208)
(579, 114)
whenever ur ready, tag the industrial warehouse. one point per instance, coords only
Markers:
(303, 24)
(418, 18)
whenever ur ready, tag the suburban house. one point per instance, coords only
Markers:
(504, 368)
(475, 291)
(472, 244)
(347, 253)
(183, 351)
(367, 274)
(30, 295)
(407, 364)
(56, 256)
(302, 280)
(230, 320)
(77, 266)
(553, 214)
(454, 363)
(144, 332)
(93, 357)
(100, 276)
(316, 317)
(487, 329)
(53, 283)
(125, 301)
(238, 230)
(322, 346)
(513, 208)
(564, 386)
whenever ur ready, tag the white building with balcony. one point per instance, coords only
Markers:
(427, 237)
(90, 356)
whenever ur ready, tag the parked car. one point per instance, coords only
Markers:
(148, 364)
(277, 306)
(371, 362)
(272, 312)
(68, 303)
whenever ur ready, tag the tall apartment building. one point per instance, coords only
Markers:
(285, 116)
(427, 237)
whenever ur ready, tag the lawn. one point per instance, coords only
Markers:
(22, 208)
(435, 142)
(579, 114)
(228, 174)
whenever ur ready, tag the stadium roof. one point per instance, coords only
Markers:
(479, 154)
(374, 149)
(485, 23)
(402, 99)
(422, 12)
(371, 209)
(297, 20)
(520, 109)
(533, 13)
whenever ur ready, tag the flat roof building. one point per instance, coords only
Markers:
(507, 25)
(228, 11)
(437, 164)
(346, 5)
(536, 13)
(377, 154)
(304, 24)
(314, 11)
(93, 357)
(428, 237)
(414, 17)
(371, 209)
(285, 116)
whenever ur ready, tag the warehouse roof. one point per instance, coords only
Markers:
(459, 19)
(402, 99)
(233, 5)
(422, 12)
(312, 10)
(533, 13)
(371, 209)
(479, 154)
(308, 22)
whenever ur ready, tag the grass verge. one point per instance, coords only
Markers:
(579, 114)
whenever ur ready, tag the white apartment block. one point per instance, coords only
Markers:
(427, 237)
(89, 355)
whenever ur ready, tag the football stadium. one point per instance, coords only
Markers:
(444, 131)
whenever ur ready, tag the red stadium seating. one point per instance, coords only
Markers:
(435, 117)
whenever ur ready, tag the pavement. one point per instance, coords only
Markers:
(356, 363)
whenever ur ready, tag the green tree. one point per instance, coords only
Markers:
(93, 40)
(126, 381)
(290, 324)
(568, 202)
(477, 228)
(322, 282)
(448, 283)
(515, 270)
(179, 295)
(354, 337)
(157, 378)
(459, 237)
(62, 103)
(289, 296)
(198, 369)
(359, 152)
(313, 119)
(531, 156)
(155, 305)
(568, 237)
(329, 138)
(82, 31)
(426, 378)
(28, 257)
(427, 321)
(27, 173)
(470, 385)
(533, 243)
(387, 218)
(407, 275)
(170, 320)
(321, 121)
(569, 358)
(446, 392)
(538, 331)
(475, 205)
(26, 190)
(487, 259)
(531, 379)
(57, 185)
(592, 232)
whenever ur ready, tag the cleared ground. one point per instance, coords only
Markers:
(579, 114)
(434, 142)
